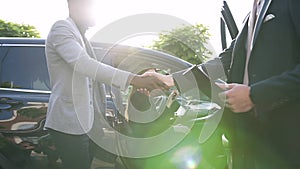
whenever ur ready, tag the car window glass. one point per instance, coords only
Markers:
(25, 68)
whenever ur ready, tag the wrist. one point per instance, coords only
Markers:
(135, 80)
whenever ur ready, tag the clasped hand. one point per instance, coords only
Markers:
(237, 97)
(152, 80)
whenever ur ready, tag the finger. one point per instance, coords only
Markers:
(162, 86)
(151, 71)
(147, 74)
(231, 107)
(230, 102)
(140, 89)
(235, 110)
(226, 86)
(148, 93)
(143, 91)
(228, 106)
(222, 86)
(231, 85)
(223, 96)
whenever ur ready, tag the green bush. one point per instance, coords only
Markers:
(10, 29)
(187, 43)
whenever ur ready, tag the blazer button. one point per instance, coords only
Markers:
(254, 75)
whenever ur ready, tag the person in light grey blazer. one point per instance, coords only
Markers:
(77, 78)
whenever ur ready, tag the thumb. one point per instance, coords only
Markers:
(147, 74)
(226, 86)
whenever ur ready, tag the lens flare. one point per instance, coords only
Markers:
(187, 157)
(191, 164)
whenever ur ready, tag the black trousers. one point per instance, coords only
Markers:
(75, 151)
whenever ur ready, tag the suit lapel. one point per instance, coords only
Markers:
(85, 43)
(260, 20)
(75, 28)
(239, 55)
(89, 48)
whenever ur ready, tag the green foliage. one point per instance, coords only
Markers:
(187, 43)
(10, 29)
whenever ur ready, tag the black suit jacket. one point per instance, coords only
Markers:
(274, 77)
(271, 136)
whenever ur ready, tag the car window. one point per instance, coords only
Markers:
(24, 68)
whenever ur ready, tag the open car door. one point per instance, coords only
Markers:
(227, 21)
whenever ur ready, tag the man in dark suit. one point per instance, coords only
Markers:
(265, 98)
(263, 95)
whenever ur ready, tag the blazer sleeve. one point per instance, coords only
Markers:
(67, 45)
(279, 90)
(191, 78)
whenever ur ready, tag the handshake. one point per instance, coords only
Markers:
(236, 96)
(151, 80)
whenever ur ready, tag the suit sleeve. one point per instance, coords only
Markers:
(191, 78)
(64, 41)
(279, 90)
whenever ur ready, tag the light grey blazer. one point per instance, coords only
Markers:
(73, 76)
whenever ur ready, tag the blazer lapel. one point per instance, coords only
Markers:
(89, 49)
(85, 43)
(260, 20)
(70, 20)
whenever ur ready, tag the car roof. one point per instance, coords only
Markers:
(15, 41)
(38, 41)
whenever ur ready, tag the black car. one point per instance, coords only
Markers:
(25, 90)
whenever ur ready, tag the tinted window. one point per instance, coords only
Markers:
(24, 68)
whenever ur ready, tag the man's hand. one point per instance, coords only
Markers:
(167, 79)
(148, 82)
(237, 97)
